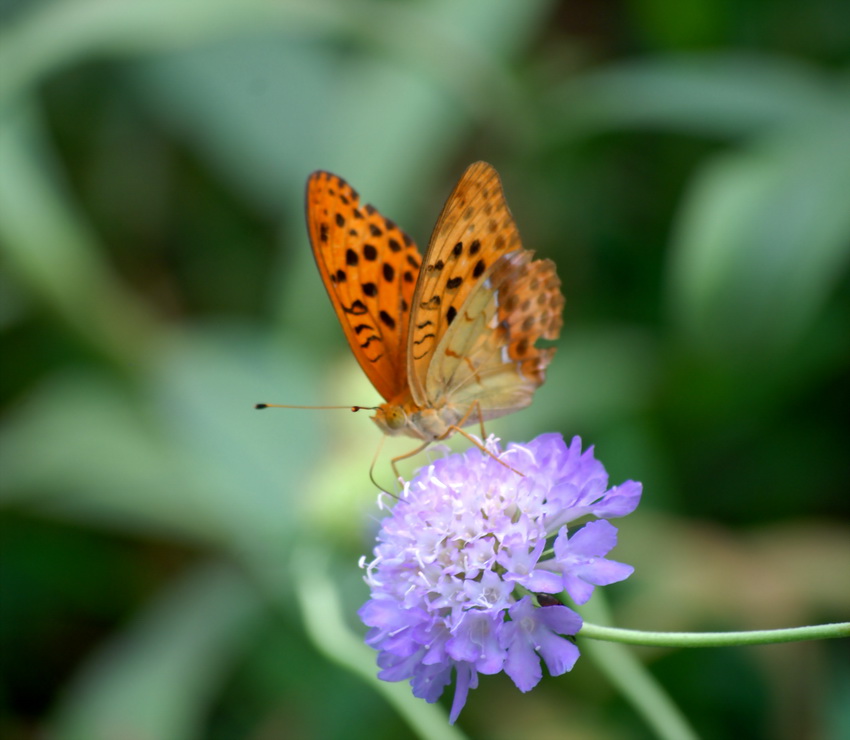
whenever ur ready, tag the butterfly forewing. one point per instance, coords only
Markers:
(370, 268)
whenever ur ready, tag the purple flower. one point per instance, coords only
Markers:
(466, 548)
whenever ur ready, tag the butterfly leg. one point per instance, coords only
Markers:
(476, 406)
(458, 428)
(482, 448)
(413, 452)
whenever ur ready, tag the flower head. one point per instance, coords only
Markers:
(466, 548)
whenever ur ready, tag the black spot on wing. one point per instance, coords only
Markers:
(358, 308)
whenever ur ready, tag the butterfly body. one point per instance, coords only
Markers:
(406, 417)
(448, 341)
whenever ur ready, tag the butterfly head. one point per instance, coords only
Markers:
(391, 418)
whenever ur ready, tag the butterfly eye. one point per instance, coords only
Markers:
(395, 417)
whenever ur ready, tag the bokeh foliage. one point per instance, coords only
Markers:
(175, 565)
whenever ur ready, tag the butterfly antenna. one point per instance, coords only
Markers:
(260, 406)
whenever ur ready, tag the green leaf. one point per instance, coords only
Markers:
(762, 241)
(373, 101)
(722, 95)
(53, 252)
(158, 678)
(187, 453)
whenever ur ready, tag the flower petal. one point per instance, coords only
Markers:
(559, 653)
(466, 679)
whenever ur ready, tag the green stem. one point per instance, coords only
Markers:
(714, 639)
(324, 621)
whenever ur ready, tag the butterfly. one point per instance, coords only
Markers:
(447, 341)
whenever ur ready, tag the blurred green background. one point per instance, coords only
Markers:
(175, 565)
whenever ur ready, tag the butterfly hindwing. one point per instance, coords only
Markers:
(369, 267)
(488, 355)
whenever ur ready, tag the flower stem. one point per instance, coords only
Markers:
(324, 621)
(714, 639)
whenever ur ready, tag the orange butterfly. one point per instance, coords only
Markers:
(449, 341)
